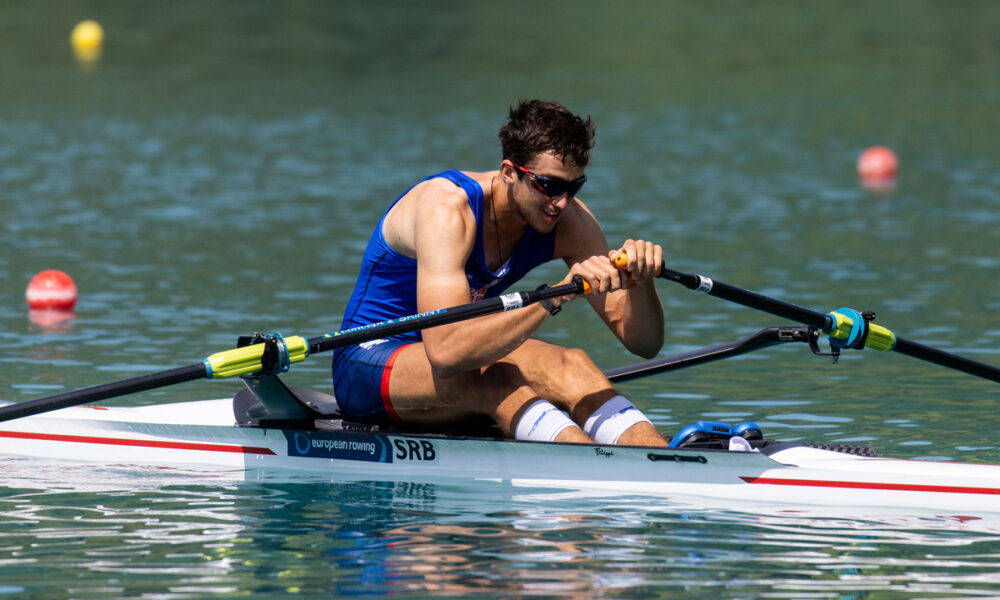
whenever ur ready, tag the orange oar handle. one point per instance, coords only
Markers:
(621, 261)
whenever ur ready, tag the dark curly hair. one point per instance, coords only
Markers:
(536, 126)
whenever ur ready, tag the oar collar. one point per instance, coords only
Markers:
(853, 329)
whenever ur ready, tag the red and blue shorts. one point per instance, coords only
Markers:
(361, 380)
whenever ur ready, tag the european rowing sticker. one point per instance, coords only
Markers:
(370, 447)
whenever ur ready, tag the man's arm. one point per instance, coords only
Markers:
(441, 230)
(626, 301)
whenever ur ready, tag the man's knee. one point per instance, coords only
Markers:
(570, 368)
(577, 362)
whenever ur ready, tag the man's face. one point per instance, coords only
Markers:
(540, 210)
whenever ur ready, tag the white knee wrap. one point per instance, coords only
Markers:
(542, 422)
(612, 419)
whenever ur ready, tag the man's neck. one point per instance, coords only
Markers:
(504, 226)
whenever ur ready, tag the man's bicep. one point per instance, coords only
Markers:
(444, 241)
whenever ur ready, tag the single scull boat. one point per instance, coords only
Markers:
(204, 435)
(269, 426)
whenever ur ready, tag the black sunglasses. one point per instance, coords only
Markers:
(553, 186)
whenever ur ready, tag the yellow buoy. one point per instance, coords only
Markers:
(88, 40)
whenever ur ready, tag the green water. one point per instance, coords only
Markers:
(219, 170)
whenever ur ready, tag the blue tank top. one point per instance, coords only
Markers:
(387, 285)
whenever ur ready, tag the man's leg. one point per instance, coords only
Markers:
(567, 378)
(498, 391)
(573, 382)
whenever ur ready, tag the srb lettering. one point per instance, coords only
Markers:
(415, 450)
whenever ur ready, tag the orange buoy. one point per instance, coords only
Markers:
(878, 162)
(53, 290)
(877, 169)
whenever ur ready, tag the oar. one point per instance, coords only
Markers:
(839, 325)
(250, 359)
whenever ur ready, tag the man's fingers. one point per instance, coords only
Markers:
(640, 258)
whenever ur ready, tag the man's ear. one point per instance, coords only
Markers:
(507, 171)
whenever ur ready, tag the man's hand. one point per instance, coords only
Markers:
(644, 260)
(600, 273)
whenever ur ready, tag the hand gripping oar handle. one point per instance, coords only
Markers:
(834, 324)
(248, 359)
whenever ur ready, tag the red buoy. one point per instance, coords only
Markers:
(51, 290)
(878, 162)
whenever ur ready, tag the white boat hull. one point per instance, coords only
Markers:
(203, 436)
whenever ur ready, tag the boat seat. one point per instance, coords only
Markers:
(268, 402)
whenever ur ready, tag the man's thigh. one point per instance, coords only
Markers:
(497, 390)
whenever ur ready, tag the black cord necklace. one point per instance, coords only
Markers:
(496, 226)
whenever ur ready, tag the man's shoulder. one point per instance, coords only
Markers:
(445, 194)
(578, 233)
(578, 220)
(435, 208)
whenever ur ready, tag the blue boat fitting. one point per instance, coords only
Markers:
(701, 431)
(748, 430)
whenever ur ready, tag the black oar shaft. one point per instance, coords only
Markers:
(747, 298)
(340, 339)
(822, 321)
(365, 333)
(103, 391)
(947, 359)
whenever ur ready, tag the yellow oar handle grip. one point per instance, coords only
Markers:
(240, 361)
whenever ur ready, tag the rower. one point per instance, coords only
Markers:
(461, 236)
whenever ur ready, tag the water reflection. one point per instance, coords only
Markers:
(574, 548)
(170, 532)
(52, 321)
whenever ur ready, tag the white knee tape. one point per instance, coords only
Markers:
(612, 419)
(542, 422)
